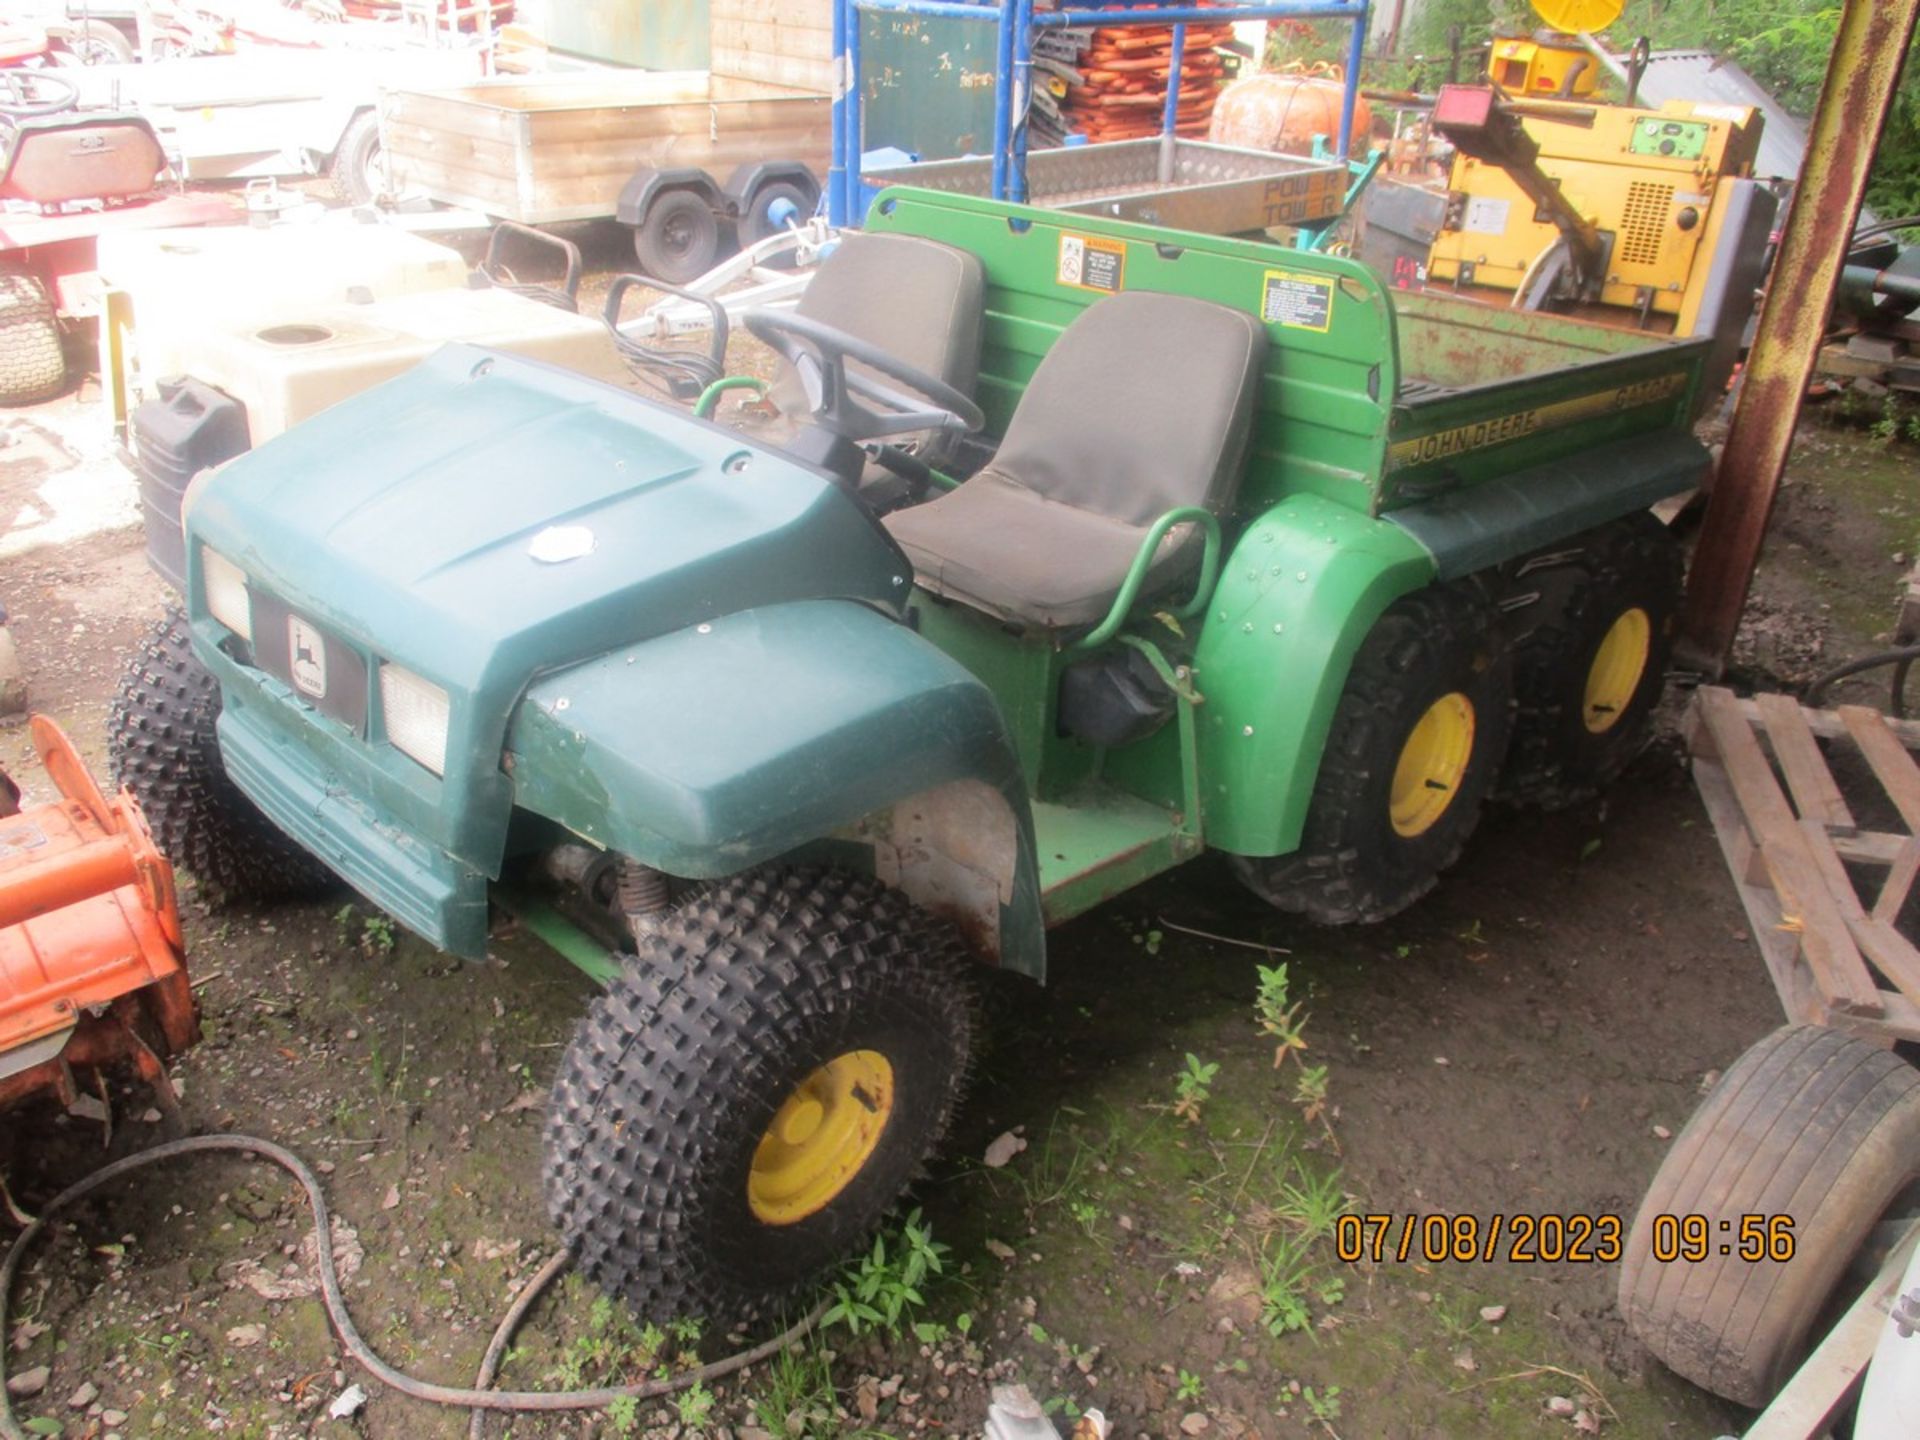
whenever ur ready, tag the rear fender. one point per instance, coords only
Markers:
(1304, 585)
(746, 180)
(777, 731)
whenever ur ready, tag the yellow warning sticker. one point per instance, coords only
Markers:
(1303, 301)
(1092, 262)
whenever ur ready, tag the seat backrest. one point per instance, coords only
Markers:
(80, 155)
(1143, 404)
(917, 299)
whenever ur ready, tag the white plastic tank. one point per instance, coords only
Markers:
(306, 360)
(185, 283)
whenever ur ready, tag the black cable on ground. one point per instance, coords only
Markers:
(1901, 658)
(480, 1398)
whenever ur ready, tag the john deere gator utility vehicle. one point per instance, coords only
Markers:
(1221, 547)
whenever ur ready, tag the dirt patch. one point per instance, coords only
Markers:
(1515, 1045)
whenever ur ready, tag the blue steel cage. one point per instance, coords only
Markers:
(1013, 71)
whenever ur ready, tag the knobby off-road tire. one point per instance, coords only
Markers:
(673, 1082)
(1588, 674)
(1431, 653)
(32, 365)
(1809, 1123)
(162, 747)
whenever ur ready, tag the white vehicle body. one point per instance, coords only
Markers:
(267, 112)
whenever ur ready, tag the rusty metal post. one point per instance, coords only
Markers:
(1861, 75)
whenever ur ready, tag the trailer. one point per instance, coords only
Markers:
(279, 113)
(674, 155)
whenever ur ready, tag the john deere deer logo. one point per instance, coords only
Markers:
(309, 658)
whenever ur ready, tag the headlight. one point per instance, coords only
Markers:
(416, 715)
(225, 586)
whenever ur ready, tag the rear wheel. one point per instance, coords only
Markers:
(1416, 742)
(357, 174)
(757, 222)
(32, 365)
(162, 747)
(679, 239)
(1809, 1124)
(1588, 674)
(94, 42)
(757, 1089)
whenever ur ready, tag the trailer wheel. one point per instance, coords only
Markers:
(679, 238)
(756, 223)
(92, 42)
(1588, 675)
(357, 174)
(754, 1093)
(32, 365)
(1810, 1124)
(1416, 741)
(162, 747)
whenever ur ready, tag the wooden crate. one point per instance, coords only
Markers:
(1789, 834)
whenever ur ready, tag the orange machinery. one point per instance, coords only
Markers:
(92, 967)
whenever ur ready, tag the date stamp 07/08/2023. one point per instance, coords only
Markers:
(1557, 1239)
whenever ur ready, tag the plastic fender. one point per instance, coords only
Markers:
(730, 744)
(649, 180)
(1299, 593)
(749, 177)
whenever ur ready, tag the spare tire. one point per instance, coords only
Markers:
(1815, 1133)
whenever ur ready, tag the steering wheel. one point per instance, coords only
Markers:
(838, 396)
(35, 92)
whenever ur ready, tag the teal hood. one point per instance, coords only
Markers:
(484, 519)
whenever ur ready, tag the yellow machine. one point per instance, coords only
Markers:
(1620, 213)
(1653, 184)
(1552, 64)
(1549, 65)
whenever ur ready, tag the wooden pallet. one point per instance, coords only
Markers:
(1789, 834)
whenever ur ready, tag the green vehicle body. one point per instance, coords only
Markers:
(742, 671)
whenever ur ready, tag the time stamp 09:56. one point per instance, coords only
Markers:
(1557, 1239)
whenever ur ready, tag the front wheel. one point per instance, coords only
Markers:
(679, 239)
(162, 745)
(1416, 741)
(754, 1093)
(32, 364)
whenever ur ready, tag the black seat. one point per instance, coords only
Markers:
(1144, 404)
(916, 299)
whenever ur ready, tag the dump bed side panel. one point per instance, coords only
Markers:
(1493, 392)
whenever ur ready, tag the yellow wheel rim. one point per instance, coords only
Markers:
(824, 1132)
(1619, 663)
(1431, 763)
